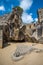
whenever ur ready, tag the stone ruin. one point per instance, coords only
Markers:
(22, 49)
(15, 29)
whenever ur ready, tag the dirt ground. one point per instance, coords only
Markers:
(29, 59)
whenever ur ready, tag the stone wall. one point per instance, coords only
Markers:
(40, 15)
(1, 38)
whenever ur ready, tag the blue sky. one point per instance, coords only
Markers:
(30, 8)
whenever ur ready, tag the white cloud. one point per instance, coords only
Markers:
(26, 4)
(2, 8)
(27, 18)
(36, 19)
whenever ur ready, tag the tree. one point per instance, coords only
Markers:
(19, 9)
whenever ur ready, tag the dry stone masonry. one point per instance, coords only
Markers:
(22, 49)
